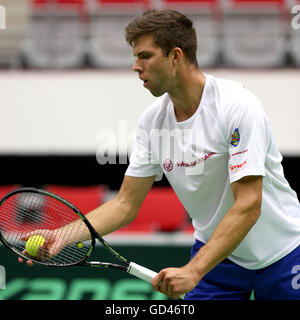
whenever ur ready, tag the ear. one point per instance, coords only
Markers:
(177, 55)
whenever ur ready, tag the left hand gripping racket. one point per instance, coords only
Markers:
(31, 211)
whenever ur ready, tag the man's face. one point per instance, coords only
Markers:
(153, 66)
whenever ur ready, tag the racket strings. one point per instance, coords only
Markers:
(15, 238)
(26, 213)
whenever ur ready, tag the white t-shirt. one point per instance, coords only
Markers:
(227, 138)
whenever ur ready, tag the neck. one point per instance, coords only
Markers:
(187, 92)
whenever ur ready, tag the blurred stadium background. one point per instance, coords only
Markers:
(68, 96)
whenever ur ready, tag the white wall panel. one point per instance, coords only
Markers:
(62, 112)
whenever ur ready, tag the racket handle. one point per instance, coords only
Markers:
(143, 273)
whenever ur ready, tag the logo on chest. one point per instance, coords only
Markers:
(168, 164)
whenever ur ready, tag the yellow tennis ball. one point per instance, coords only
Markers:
(33, 244)
(79, 245)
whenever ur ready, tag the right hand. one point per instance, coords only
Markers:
(52, 246)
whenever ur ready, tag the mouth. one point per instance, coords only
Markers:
(144, 80)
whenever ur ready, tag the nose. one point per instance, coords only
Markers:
(136, 67)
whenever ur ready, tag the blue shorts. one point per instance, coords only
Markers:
(229, 281)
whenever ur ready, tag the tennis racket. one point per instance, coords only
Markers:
(26, 212)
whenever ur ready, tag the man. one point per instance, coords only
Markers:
(212, 140)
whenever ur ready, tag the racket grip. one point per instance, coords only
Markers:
(143, 273)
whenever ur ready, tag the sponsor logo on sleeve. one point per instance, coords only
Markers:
(237, 167)
(235, 138)
(237, 153)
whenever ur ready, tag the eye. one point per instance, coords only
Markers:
(145, 56)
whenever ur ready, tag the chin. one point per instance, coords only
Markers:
(157, 93)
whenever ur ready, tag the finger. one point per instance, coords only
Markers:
(43, 252)
(169, 291)
(25, 237)
(28, 235)
(29, 263)
(20, 259)
(164, 287)
(172, 293)
(156, 282)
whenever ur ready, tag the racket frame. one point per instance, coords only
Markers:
(94, 236)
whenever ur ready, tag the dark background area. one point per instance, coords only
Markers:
(81, 170)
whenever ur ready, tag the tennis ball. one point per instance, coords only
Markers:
(79, 245)
(33, 244)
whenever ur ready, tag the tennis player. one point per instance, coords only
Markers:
(213, 141)
(223, 164)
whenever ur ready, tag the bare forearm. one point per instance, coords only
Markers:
(111, 216)
(105, 219)
(227, 236)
